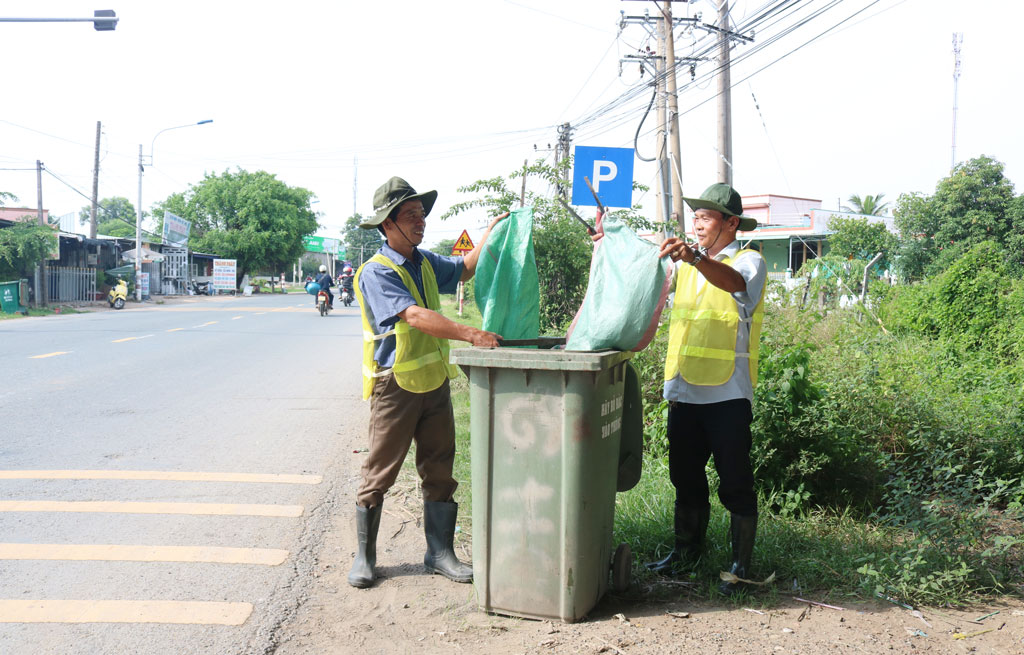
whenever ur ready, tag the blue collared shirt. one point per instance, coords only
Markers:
(386, 296)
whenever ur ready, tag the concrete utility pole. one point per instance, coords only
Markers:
(664, 208)
(958, 38)
(673, 116)
(138, 230)
(724, 98)
(41, 288)
(95, 185)
(562, 147)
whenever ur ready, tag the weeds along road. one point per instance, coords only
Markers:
(167, 471)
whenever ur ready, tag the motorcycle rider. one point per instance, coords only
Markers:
(347, 276)
(325, 282)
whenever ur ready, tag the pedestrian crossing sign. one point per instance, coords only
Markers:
(463, 245)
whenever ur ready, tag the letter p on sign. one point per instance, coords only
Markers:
(611, 173)
(604, 171)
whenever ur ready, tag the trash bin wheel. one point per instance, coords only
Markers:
(622, 565)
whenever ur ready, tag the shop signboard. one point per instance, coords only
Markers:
(224, 274)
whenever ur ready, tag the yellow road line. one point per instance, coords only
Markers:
(120, 507)
(175, 329)
(124, 611)
(205, 324)
(130, 553)
(235, 318)
(131, 338)
(175, 476)
(53, 354)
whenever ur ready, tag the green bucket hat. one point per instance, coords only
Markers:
(723, 198)
(392, 194)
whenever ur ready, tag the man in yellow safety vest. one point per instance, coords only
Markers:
(406, 372)
(710, 373)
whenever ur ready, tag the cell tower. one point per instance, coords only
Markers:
(958, 39)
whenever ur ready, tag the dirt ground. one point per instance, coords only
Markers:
(411, 612)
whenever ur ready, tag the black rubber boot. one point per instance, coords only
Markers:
(742, 530)
(439, 526)
(691, 524)
(367, 522)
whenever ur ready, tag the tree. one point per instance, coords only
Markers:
(22, 246)
(859, 238)
(444, 247)
(7, 195)
(561, 245)
(253, 218)
(115, 217)
(870, 205)
(360, 244)
(975, 203)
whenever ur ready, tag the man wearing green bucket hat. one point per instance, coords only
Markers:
(710, 373)
(406, 372)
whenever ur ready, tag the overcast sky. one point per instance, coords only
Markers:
(447, 92)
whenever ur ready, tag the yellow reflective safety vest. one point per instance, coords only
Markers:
(421, 361)
(702, 334)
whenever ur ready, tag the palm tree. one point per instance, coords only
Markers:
(870, 205)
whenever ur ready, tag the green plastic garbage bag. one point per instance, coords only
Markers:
(507, 291)
(628, 287)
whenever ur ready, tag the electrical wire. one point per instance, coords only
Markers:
(98, 205)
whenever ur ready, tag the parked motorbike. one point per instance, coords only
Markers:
(117, 294)
(323, 304)
(200, 288)
(346, 296)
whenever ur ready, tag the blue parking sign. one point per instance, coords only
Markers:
(611, 174)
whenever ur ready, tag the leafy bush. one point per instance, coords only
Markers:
(946, 543)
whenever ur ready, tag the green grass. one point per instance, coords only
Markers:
(44, 311)
(810, 552)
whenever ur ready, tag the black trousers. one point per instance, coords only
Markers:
(695, 433)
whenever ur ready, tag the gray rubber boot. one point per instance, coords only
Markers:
(691, 525)
(367, 522)
(439, 527)
(742, 530)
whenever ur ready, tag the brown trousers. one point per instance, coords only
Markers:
(397, 418)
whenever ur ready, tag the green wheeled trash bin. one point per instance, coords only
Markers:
(545, 427)
(10, 297)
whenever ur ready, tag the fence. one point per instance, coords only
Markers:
(71, 284)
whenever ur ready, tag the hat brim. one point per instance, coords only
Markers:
(746, 223)
(427, 198)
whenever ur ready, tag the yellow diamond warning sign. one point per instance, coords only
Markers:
(463, 245)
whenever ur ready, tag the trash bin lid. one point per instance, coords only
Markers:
(549, 360)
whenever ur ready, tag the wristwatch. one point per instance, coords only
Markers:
(697, 256)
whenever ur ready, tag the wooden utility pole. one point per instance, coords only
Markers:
(673, 116)
(41, 290)
(95, 185)
(724, 98)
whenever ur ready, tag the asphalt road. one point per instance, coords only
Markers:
(167, 471)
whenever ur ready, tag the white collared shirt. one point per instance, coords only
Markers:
(754, 271)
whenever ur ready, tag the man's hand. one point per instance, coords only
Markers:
(677, 249)
(484, 339)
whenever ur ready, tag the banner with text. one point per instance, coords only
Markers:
(176, 230)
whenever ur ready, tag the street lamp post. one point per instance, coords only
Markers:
(138, 219)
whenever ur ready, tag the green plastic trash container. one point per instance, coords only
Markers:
(10, 301)
(545, 428)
